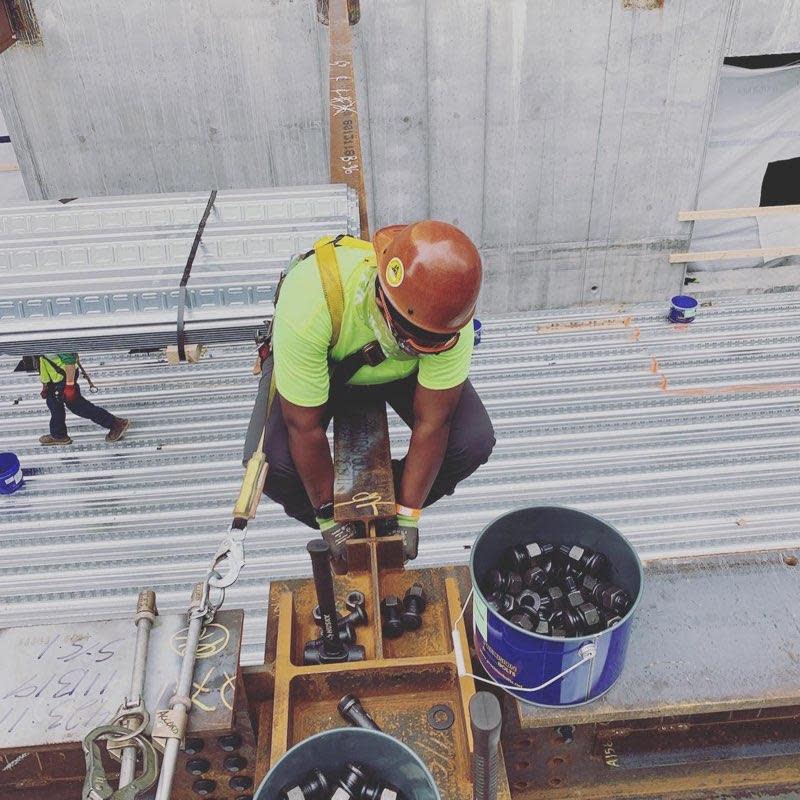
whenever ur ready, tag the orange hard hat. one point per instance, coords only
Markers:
(430, 272)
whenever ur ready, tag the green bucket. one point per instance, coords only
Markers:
(385, 757)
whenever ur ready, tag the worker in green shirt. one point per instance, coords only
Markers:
(405, 334)
(59, 375)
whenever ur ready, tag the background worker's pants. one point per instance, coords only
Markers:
(80, 406)
(470, 445)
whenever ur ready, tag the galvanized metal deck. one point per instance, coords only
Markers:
(686, 437)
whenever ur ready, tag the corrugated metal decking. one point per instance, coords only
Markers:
(105, 273)
(686, 437)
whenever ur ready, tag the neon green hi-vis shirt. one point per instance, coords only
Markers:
(47, 374)
(302, 334)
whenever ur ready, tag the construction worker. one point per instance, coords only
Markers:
(59, 376)
(405, 333)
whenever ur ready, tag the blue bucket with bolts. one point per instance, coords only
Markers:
(10, 473)
(683, 308)
(546, 670)
(387, 760)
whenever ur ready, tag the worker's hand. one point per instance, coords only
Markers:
(44, 391)
(407, 526)
(70, 392)
(336, 534)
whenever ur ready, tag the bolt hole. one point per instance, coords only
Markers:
(555, 781)
(790, 561)
(594, 287)
(522, 765)
(520, 784)
(524, 743)
(556, 761)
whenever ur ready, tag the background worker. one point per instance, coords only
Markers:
(412, 292)
(59, 376)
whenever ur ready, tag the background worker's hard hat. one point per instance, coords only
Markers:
(431, 273)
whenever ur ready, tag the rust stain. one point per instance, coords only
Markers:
(636, 335)
(644, 5)
(654, 365)
(741, 522)
(612, 323)
(736, 388)
(663, 384)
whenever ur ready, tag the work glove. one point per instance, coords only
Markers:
(70, 393)
(337, 534)
(407, 526)
(44, 391)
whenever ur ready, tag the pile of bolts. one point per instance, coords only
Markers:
(555, 590)
(354, 783)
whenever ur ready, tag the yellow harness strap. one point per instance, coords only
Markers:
(331, 284)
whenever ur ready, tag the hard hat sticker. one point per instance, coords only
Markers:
(395, 272)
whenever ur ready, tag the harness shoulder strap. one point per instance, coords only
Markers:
(331, 284)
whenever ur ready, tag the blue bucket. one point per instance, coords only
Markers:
(385, 757)
(576, 670)
(10, 473)
(683, 308)
(477, 328)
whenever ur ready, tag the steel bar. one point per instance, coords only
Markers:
(145, 617)
(182, 693)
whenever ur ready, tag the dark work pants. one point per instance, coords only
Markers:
(470, 445)
(80, 406)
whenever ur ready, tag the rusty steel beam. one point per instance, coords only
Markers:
(346, 163)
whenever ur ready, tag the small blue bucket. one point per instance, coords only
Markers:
(478, 328)
(385, 757)
(10, 473)
(575, 670)
(683, 308)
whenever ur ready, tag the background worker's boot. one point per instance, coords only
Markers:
(49, 439)
(118, 429)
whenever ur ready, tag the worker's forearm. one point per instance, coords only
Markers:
(70, 371)
(423, 462)
(312, 457)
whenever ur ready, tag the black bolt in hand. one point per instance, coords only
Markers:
(486, 721)
(320, 553)
(351, 709)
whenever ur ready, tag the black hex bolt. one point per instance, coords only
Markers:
(230, 742)
(522, 557)
(503, 604)
(507, 582)
(415, 602)
(573, 591)
(351, 782)
(584, 560)
(541, 603)
(351, 709)
(525, 618)
(197, 766)
(239, 782)
(314, 786)
(234, 763)
(355, 598)
(358, 616)
(204, 787)
(193, 746)
(390, 611)
(378, 791)
(536, 578)
(347, 636)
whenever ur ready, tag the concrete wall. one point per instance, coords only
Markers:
(564, 137)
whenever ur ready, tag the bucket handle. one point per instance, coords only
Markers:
(587, 653)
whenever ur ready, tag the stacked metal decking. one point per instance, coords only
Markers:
(104, 273)
(686, 437)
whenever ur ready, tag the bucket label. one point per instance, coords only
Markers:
(481, 613)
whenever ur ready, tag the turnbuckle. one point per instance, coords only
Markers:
(96, 785)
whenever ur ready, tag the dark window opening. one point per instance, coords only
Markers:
(769, 61)
(781, 184)
(22, 20)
